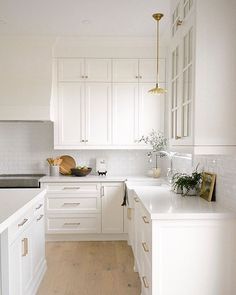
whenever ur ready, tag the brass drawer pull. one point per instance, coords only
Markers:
(39, 206)
(25, 247)
(136, 200)
(73, 204)
(71, 223)
(145, 219)
(145, 247)
(145, 282)
(40, 217)
(23, 222)
(71, 188)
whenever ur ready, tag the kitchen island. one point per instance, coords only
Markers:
(22, 231)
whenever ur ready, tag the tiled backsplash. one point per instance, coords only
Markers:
(24, 147)
(225, 168)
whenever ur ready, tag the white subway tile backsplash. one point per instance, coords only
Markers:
(24, 148)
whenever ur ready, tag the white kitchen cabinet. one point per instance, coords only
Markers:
(70, 123)
(125, 114)
(27, 251)
(98, 106)
(112, 211)
(174, 241)
(202, 99)
(138, 70)
(91, 113)
(182, 54)
(83, 114)
(81, 69)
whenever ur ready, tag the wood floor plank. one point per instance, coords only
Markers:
(89, 268)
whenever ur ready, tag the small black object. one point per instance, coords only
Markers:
(102, 173)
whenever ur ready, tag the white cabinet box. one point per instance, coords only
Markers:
(84, 208)
(105, 113)
(27, 263)
(202, 99)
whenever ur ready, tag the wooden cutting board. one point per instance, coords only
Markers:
(67, 163)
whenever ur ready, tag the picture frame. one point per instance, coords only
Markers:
(207, 191)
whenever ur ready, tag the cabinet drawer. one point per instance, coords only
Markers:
(78, 188)
(73, 204)
(89, 223)
(146, 278)
(17, 227)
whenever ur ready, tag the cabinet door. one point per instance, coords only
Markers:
(125, 70)
(112, 211)
(70, 114)
(151, 108)
(71, 69)
(38, 255)
(20, 264)
(98, 70)
(98, 113)
(148, 70)
(125, 113)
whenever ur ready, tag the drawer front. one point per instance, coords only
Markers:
(17, 227)
(59, 205)
(79, 188)
(146, 278)
(91, 223)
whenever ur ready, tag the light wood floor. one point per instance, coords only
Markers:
(89, 268)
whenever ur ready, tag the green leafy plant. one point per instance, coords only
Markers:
(185, 182)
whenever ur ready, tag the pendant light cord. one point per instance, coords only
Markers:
(157, 52)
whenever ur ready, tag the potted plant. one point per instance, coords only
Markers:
(158, 143)
(187, 185)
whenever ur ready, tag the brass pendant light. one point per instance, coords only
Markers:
(157, 90)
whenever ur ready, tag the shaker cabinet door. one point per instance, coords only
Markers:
(70, 114)
(125, 70)
(71, 69)
(98, 113)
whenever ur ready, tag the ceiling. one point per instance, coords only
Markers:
(82, 17)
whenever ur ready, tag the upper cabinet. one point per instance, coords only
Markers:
(138, 70)
(202, 96)
(104, 103)
(81, 69)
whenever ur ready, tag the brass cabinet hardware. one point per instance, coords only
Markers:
(136, 77)
(140, 77)
(71, 223)
(102, 191)
(136, 200)
(40, 217)
(25, 247)
(86, 77)
(145, 219)
(39, 206)
(71, 187)
(145, 282)
(179, 22)
(177, 137)
(145, 247)
(23, 222)
(73, 204)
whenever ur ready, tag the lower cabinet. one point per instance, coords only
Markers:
(112, 211)
(180, 255)
(84, 208)
(27, 254)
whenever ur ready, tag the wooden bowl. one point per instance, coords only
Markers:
(80, 171)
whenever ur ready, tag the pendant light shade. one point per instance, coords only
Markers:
(157, 90)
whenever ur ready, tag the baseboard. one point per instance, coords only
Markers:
(86, 237)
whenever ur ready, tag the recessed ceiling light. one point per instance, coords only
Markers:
(86, 22)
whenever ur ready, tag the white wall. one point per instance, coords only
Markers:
(26, 77)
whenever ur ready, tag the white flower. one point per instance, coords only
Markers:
(156, 139)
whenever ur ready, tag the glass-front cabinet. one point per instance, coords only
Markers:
(182, 53)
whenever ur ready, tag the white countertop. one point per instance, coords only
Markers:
(161, 203)
(13, 203)
(95, 178)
